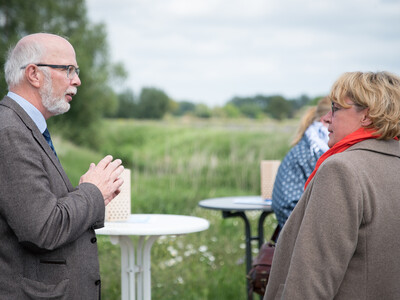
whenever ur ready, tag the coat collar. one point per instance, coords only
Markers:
(388, 147)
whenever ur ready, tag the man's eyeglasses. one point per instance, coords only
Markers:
(71, 69)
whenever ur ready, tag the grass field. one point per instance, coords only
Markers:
(175, 164)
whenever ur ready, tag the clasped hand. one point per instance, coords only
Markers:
(105, 175)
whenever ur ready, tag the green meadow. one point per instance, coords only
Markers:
(174, 164)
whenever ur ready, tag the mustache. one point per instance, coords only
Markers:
(71, 90)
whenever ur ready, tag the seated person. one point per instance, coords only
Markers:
(309, 144)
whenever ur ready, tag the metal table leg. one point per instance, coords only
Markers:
(249, 238)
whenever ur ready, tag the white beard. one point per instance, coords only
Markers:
(55, 106)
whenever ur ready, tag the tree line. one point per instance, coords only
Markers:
(153, 103)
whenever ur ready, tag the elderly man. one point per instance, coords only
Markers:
(48, 245)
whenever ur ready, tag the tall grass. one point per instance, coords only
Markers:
(174, 165)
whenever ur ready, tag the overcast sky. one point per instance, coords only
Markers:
(208, 51)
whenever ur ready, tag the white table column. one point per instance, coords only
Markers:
(136, 274)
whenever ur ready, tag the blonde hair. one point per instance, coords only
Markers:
(312, 114)
(379, 92)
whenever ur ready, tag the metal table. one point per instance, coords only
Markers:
(237, 207)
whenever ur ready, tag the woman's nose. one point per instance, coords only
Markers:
(328, 117)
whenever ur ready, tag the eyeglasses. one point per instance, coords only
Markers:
(71, 69)
(335, 108)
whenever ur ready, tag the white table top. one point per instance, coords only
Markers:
(154, 224)
(237, 203)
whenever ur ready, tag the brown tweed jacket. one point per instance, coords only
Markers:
(48, 246)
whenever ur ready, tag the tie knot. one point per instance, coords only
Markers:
(46, 134)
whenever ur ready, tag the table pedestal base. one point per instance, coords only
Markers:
(135, 275)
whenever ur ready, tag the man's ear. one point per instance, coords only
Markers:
(33, 76)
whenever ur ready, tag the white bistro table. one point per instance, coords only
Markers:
(148, 227)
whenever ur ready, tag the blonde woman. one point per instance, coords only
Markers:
(342, 239)
(309, 144)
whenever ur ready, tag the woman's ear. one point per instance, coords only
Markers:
(33, 76)
(366, 121)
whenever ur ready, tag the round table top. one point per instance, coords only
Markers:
(154, 224)
(237, 203)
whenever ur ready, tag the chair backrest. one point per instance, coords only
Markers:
(119, 208)
(269, 168)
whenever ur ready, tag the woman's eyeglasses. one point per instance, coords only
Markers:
(335, 108)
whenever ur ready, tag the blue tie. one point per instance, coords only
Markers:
(46, 135)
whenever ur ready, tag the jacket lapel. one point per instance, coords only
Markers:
(24, 117)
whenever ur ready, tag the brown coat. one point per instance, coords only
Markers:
(48, 247)
(342, 240)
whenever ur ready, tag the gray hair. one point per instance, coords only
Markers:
(22, 54)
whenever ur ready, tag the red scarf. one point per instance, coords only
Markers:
(355, 137)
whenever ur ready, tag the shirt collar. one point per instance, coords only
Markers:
(31, 110)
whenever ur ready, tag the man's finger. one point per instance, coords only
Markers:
(104, 162)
